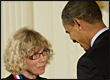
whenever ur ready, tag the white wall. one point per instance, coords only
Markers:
(44, 17)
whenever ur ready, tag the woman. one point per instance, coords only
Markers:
(27, 54)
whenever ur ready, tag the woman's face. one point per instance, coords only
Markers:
(37, 66)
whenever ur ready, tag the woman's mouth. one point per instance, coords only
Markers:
(42, 67)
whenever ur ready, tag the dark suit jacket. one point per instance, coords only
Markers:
(94, 64)
(11, 77)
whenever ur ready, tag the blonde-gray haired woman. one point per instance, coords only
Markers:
(27, 54)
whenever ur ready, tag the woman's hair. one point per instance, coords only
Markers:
(23, 42)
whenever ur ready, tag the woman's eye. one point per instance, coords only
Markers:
(35, 53)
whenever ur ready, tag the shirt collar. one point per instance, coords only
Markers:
(94, 38)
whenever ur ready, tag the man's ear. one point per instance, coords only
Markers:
(78, 23)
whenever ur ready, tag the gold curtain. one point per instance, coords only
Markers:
(101, 5)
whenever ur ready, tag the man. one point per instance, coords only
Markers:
(83, 22)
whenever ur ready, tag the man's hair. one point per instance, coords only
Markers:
(20, 45)
(87, 11)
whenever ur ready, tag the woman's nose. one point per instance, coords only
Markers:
(42, 58)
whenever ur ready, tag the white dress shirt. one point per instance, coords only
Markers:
(100, 32)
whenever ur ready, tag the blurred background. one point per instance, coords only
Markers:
(45, 17)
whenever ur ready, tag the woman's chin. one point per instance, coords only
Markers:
(41, 72)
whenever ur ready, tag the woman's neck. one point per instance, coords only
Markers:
(29, 75)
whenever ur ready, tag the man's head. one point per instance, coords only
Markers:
(87, 11)
(81, 20)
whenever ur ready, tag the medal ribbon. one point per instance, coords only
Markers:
(17, 76)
